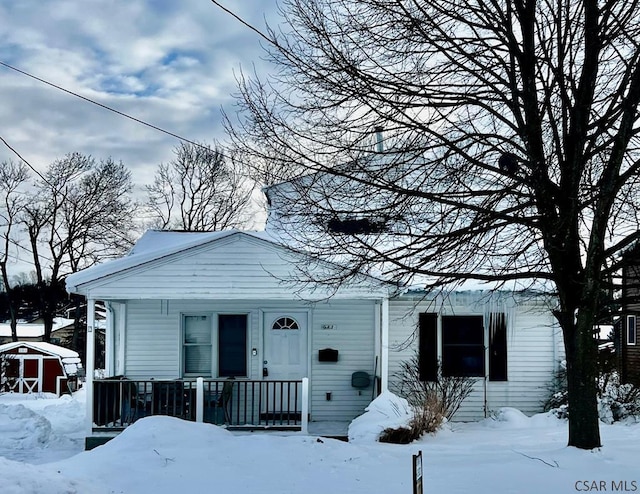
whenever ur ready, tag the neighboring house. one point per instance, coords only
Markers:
(627, 346)
(34, 331)
(38, 367)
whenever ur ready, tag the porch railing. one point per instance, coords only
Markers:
(233, 403)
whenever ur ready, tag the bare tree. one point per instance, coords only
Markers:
(12, 177)
(199, 190)
(80, 213)
(511, 134)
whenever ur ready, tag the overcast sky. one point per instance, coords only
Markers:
(168, 62)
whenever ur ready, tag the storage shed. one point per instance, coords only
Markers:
(38, 367)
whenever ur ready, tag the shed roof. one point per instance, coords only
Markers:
(65, 353)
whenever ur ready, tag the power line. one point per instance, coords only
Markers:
(101, 105)
(242, 21)
(25, 161)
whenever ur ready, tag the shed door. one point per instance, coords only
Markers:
(23, 373)
(31, 374)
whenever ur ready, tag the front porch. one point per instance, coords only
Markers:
(237, 404)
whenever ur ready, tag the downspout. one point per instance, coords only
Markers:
(109, 341)
(90, 362)
(384, 345)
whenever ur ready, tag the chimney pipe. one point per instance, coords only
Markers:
(379, 139)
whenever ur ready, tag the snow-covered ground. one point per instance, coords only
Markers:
(41, 448)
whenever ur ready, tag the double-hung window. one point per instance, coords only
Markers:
(215, 350)
(197, 345)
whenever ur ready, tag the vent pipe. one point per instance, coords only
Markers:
(379, 139)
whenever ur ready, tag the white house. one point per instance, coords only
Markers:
(214, 327)
(215, 306)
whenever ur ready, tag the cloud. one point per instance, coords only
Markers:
(165, 62)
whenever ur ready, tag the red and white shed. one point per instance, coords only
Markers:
(37, 367)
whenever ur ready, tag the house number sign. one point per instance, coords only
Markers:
(329, 327)
(417, 473)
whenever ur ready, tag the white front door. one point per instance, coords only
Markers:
(285, 345)
(285, 359)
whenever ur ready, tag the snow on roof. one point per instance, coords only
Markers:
(64, 353)
(156, 244)
(33, 330)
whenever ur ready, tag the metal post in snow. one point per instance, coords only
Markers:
(417, 473)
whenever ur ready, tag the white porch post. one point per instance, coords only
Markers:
(305, 405)
(122, 324)
(90, 361)
(384, 330)
(199, 399)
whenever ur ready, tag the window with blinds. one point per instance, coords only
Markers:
(197, 345)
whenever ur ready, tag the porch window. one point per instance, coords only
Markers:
(197, 345)
(232, 345)
(631, 330)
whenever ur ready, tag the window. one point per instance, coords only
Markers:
(357, 226)
(285, 323)
(197, 345)
(230, 350)
(232, 345)
(462, 346)
(631, 330)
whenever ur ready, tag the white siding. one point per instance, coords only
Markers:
(153, 345)
(353, 337)
(534, 348)
(236, 267)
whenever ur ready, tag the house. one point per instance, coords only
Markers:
(626, 334)
(38, 367)
(34, 330)
(215, 327)
(509, 343)
(207, 326)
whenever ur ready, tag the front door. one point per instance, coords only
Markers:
(285, 359)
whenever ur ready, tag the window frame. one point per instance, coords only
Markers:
(478, 347)
(184, 344)
(214, 325)
(632, 326)
(431, 350)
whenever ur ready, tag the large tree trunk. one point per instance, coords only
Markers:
(582, 373)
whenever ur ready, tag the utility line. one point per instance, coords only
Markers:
(25, 161)
(130, 117)
(101, 105)
(242, 21)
